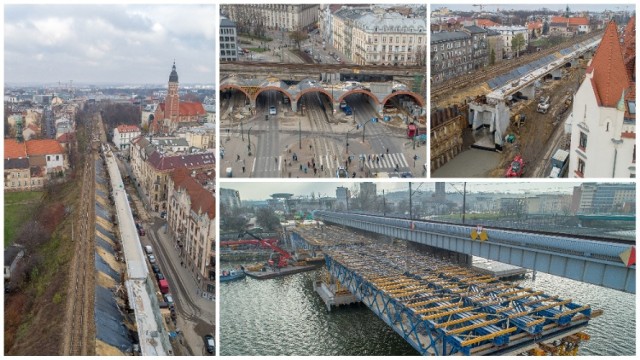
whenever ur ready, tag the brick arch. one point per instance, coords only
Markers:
(318, 89)
(415, 96)
(235, 87)
(358, 91)
(255, 97)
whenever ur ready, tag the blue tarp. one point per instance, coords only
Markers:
(104, 232)
(105, 245)
(102, 266)
(109, 321)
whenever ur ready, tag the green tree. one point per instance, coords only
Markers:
(298, 37)
(492, 57)
(267, 219)
(517, 43)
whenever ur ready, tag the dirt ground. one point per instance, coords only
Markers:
(533, 137)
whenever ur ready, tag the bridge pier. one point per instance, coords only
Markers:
(494, 115)
(529, 91)
(294, 105)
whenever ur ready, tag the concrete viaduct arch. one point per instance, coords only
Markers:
(294, 106)
(419, 99)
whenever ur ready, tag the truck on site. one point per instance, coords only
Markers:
(559, 163)
(415, 130)
(543, 105)
(347, 110)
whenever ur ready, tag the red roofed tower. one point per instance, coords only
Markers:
(172, 101)
(603, 115)
(610, 77)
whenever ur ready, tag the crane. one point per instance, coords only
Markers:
(479, 5)
(279, 257)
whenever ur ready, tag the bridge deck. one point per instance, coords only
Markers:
(570, 256)
(443, 309)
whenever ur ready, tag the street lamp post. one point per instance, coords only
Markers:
(249, 138)
(241, 130)
(300, 133)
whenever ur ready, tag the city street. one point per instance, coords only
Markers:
(195, 314)
(254, 147)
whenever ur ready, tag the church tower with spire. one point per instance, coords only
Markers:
(172, 102)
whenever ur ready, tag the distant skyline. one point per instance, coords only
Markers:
(552, 6)
(98, 44)
(263, 190)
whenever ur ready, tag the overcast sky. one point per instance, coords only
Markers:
(551, 6)
(263, 190)
(109, 44)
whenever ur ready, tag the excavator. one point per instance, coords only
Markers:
(279, 257)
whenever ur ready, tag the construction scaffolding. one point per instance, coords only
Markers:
(443, 309)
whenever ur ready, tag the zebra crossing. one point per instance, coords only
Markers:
(375, 161)
(273, 166)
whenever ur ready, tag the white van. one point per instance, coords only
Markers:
(148, 249)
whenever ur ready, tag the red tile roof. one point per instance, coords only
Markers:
(13, 149)
(531, 25)
(188, 108)
(202, 201)
(485, 22)
(66, 137)
(127, 128)
(44, 147)
(609, 73)
(574, 21)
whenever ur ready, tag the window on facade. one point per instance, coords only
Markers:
(581, 166)
(583, 141)
(57, 157)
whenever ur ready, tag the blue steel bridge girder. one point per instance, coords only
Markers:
(512, 247)
(457, 322)
(385, 308)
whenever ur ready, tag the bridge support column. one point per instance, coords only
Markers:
(294, 106)
(529, 91)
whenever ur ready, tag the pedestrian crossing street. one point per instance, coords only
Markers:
(269, 167)
(375, 162)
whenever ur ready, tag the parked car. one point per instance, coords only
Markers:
(168, 298)
(159, 276)
(148, 249)
(163, 214)
(272, 110)
(209, 344)
(141, 231)
(155, 268)
(152, 259)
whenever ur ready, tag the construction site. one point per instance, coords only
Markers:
(517, 109)
(436, 300)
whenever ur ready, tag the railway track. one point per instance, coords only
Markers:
(81, 329)
(501, 68)
(534, 232)
(312, 67)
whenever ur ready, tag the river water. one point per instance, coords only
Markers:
(286, 317)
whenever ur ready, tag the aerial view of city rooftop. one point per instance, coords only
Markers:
(444, 268)
(323, 90)
(533, 91)
(109, 180)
